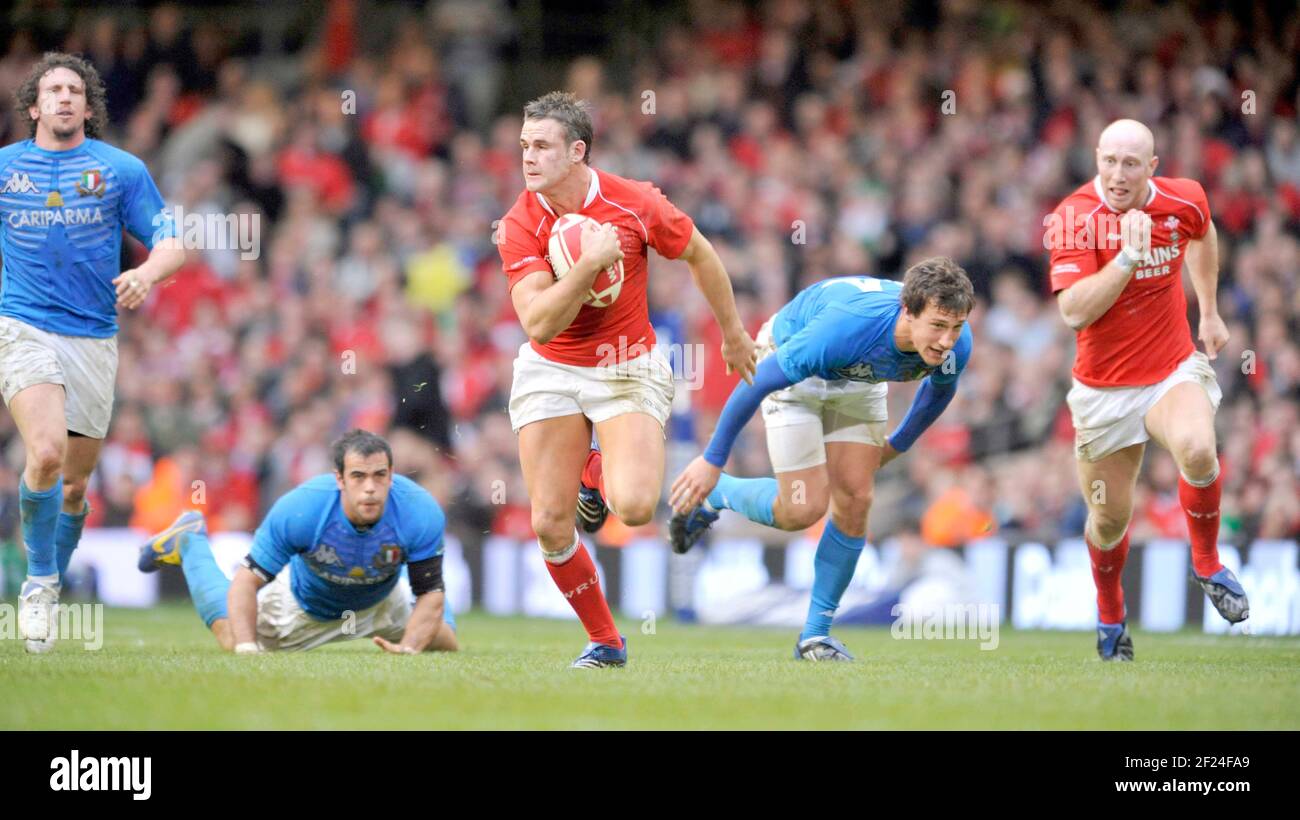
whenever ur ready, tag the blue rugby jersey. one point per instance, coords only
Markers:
(844, 329)
(61, 220)
(335, 567)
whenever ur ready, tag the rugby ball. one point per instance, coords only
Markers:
(565, 248)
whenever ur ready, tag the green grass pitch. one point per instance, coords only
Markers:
(159, 669)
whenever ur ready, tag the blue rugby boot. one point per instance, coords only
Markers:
(686, 529)
(165, 547)
(821, 648)
(600, 656)
(1226, 594)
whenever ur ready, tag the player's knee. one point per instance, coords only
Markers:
(45, 456)
(1108, 525)
(801, 514)
(1197, 456)
(634, 510)
(554, 527)
(74, 490)
(854, 503)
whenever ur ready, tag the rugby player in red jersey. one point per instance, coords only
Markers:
(587, 365)
(1118, 246)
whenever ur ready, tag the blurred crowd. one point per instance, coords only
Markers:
(806, 140)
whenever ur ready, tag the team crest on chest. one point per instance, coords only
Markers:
(91, 183)
(389, 555)
(1172, 225)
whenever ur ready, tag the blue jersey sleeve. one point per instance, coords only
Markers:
(740, 407)
(427, 523)
(934, 396)
(820, 346)
(144, 214)
(288, 529)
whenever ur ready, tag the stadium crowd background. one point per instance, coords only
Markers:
(377, 144)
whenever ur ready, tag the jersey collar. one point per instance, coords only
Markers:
(593, 191)
(1152, 191)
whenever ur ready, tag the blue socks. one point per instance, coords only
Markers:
(67, 532)
(208, 584)
(751, 497)
(40, 512)
(837, 557)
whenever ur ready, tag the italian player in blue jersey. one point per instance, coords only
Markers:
(327, 563)
(827, 356)
(65, 198)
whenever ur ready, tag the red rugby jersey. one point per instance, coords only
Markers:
(645, 219)
(1143, 337)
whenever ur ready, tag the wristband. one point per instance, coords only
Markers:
(249, 648)
(1128, 259)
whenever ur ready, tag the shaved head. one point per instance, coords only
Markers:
(1128, 135)
(1126, 161)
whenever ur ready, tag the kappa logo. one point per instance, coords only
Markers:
(20, 183)
(327, 555)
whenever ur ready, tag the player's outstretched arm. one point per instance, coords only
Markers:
(425, 629)
(699, 478)
(167, 257)
(1085, 301)
(241, 606)
(1203, 268)
(547, 306)
(927, 405)
(738, 349)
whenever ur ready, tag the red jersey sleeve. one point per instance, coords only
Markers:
(1196, 195)
(1068, 238)
(669, 229)
(522, 252)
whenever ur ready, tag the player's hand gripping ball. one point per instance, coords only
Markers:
(565, 249)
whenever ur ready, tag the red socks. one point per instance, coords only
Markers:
(1107, 567)
(592, 475)
(578, 580)
(1201, 506)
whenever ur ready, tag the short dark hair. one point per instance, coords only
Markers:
(566, 109)
(939, 280)
(363, 443)
(29, 91)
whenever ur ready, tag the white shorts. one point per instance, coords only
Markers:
(801, 419)
(283, 625)
(544, 389)
(86, 368)
(1107, 419)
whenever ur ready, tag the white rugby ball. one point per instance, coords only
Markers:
(565, 248)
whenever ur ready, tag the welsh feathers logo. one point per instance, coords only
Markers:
(91, 183)
(1172, 225)
(19, 183)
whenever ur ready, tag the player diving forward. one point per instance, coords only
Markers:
(64, 199)
(326, 563)
(1137, 373)
(825, 360)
